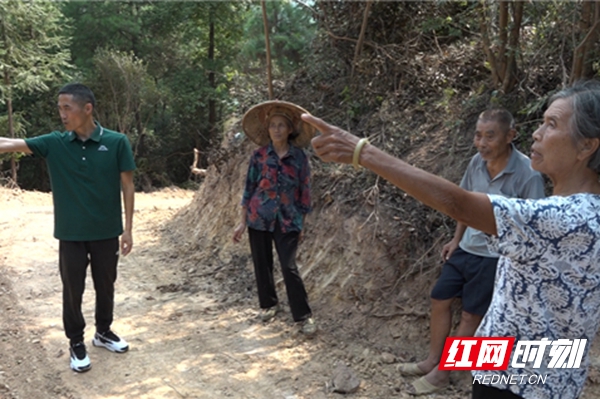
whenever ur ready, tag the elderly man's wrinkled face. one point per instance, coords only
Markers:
(554, 150)
(492, 142)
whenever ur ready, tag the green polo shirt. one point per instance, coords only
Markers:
(86, 181)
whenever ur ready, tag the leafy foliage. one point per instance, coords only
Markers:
(169, 74)
(32, 55)
(167, 46)
(32, 47)
(291, 29)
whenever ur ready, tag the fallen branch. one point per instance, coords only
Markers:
(194, 168)
(407, 313)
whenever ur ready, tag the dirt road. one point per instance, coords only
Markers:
(183, 344)
(191, 323)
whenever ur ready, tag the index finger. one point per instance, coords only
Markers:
(318, 123)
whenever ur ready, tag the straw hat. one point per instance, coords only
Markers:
(256, 122)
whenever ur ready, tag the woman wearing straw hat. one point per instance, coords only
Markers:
(275, 202)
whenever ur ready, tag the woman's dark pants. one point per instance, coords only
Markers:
(262, 255)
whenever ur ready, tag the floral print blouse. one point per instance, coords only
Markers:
(277, 189)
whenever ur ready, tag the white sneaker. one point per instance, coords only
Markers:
(80, 361)
(110, 341)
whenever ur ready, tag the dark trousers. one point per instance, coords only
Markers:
(74, 257)
(481, 391)
(261, 245)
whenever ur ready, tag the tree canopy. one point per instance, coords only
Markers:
(170, 74)
(33, 54)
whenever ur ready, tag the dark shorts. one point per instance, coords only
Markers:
(467, 276)
(481, 391)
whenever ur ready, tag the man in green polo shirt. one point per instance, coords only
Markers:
(89, 166)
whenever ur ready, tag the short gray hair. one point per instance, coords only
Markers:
(585, 121)
(501, 116)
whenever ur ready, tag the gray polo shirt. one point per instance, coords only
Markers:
(517, 180)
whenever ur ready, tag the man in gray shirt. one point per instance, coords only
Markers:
(469, 267)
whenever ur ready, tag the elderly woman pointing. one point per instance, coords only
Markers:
(548, 279)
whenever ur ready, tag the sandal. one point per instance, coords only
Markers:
(410, 369)
(423, 387)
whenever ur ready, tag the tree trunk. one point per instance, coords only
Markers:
(502, 58)
(510, 74)
(503, 35)
(588, 70)
(11, 128)
(487, 45)
(268, 48)
(140, 146)
(361, 37)
(212, 104)
(588, 26)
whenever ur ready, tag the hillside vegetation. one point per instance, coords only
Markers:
(411, 76)
(371, 252)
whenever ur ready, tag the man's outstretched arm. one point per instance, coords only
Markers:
(13, 145)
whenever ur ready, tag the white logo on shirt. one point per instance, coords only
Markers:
(102, 148)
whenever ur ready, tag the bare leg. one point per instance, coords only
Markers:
(467, 327)
(440, 324)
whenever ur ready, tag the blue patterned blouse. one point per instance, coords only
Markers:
(547, 284)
